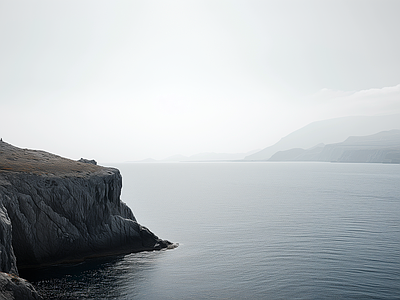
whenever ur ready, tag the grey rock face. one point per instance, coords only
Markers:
(7, 257)
(56, 219)
(62, 210)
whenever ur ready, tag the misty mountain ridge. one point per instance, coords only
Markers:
(209, 156)
(204, 156)
(329, 132)
(382, 147)
(306, 143)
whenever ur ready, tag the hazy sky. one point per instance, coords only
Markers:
(126, 80)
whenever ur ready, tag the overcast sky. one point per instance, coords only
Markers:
(126, 80)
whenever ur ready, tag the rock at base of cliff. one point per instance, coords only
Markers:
(15, 288)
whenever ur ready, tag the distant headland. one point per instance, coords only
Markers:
(306, 142)
(382, 147)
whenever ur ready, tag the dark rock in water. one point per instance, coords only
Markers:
(88, 161)
(15, 288)
(54, 210)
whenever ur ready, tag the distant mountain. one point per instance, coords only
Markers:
(177, 157)
(382, 147)
(209, 156)
(329, 132)
(148, 160)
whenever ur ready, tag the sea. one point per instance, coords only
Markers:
(250, 230)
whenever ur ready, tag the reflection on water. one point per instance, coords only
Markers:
(105, 278)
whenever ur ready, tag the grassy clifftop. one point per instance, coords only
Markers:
(15, 159)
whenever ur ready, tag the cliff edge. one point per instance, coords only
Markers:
(54, 209)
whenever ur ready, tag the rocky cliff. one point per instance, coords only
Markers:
(54, 210)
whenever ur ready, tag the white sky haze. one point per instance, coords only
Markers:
(126, 80)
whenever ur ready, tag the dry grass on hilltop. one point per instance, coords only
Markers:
(15, 159)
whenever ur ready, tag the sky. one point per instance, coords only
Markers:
(122, 81)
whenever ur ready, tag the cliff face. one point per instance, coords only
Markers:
(53, 209)
(8, 262)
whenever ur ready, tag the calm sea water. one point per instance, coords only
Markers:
(251, 231)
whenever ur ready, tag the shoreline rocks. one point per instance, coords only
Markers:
(14, 287)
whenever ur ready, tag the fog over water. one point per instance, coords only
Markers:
(128, 80)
